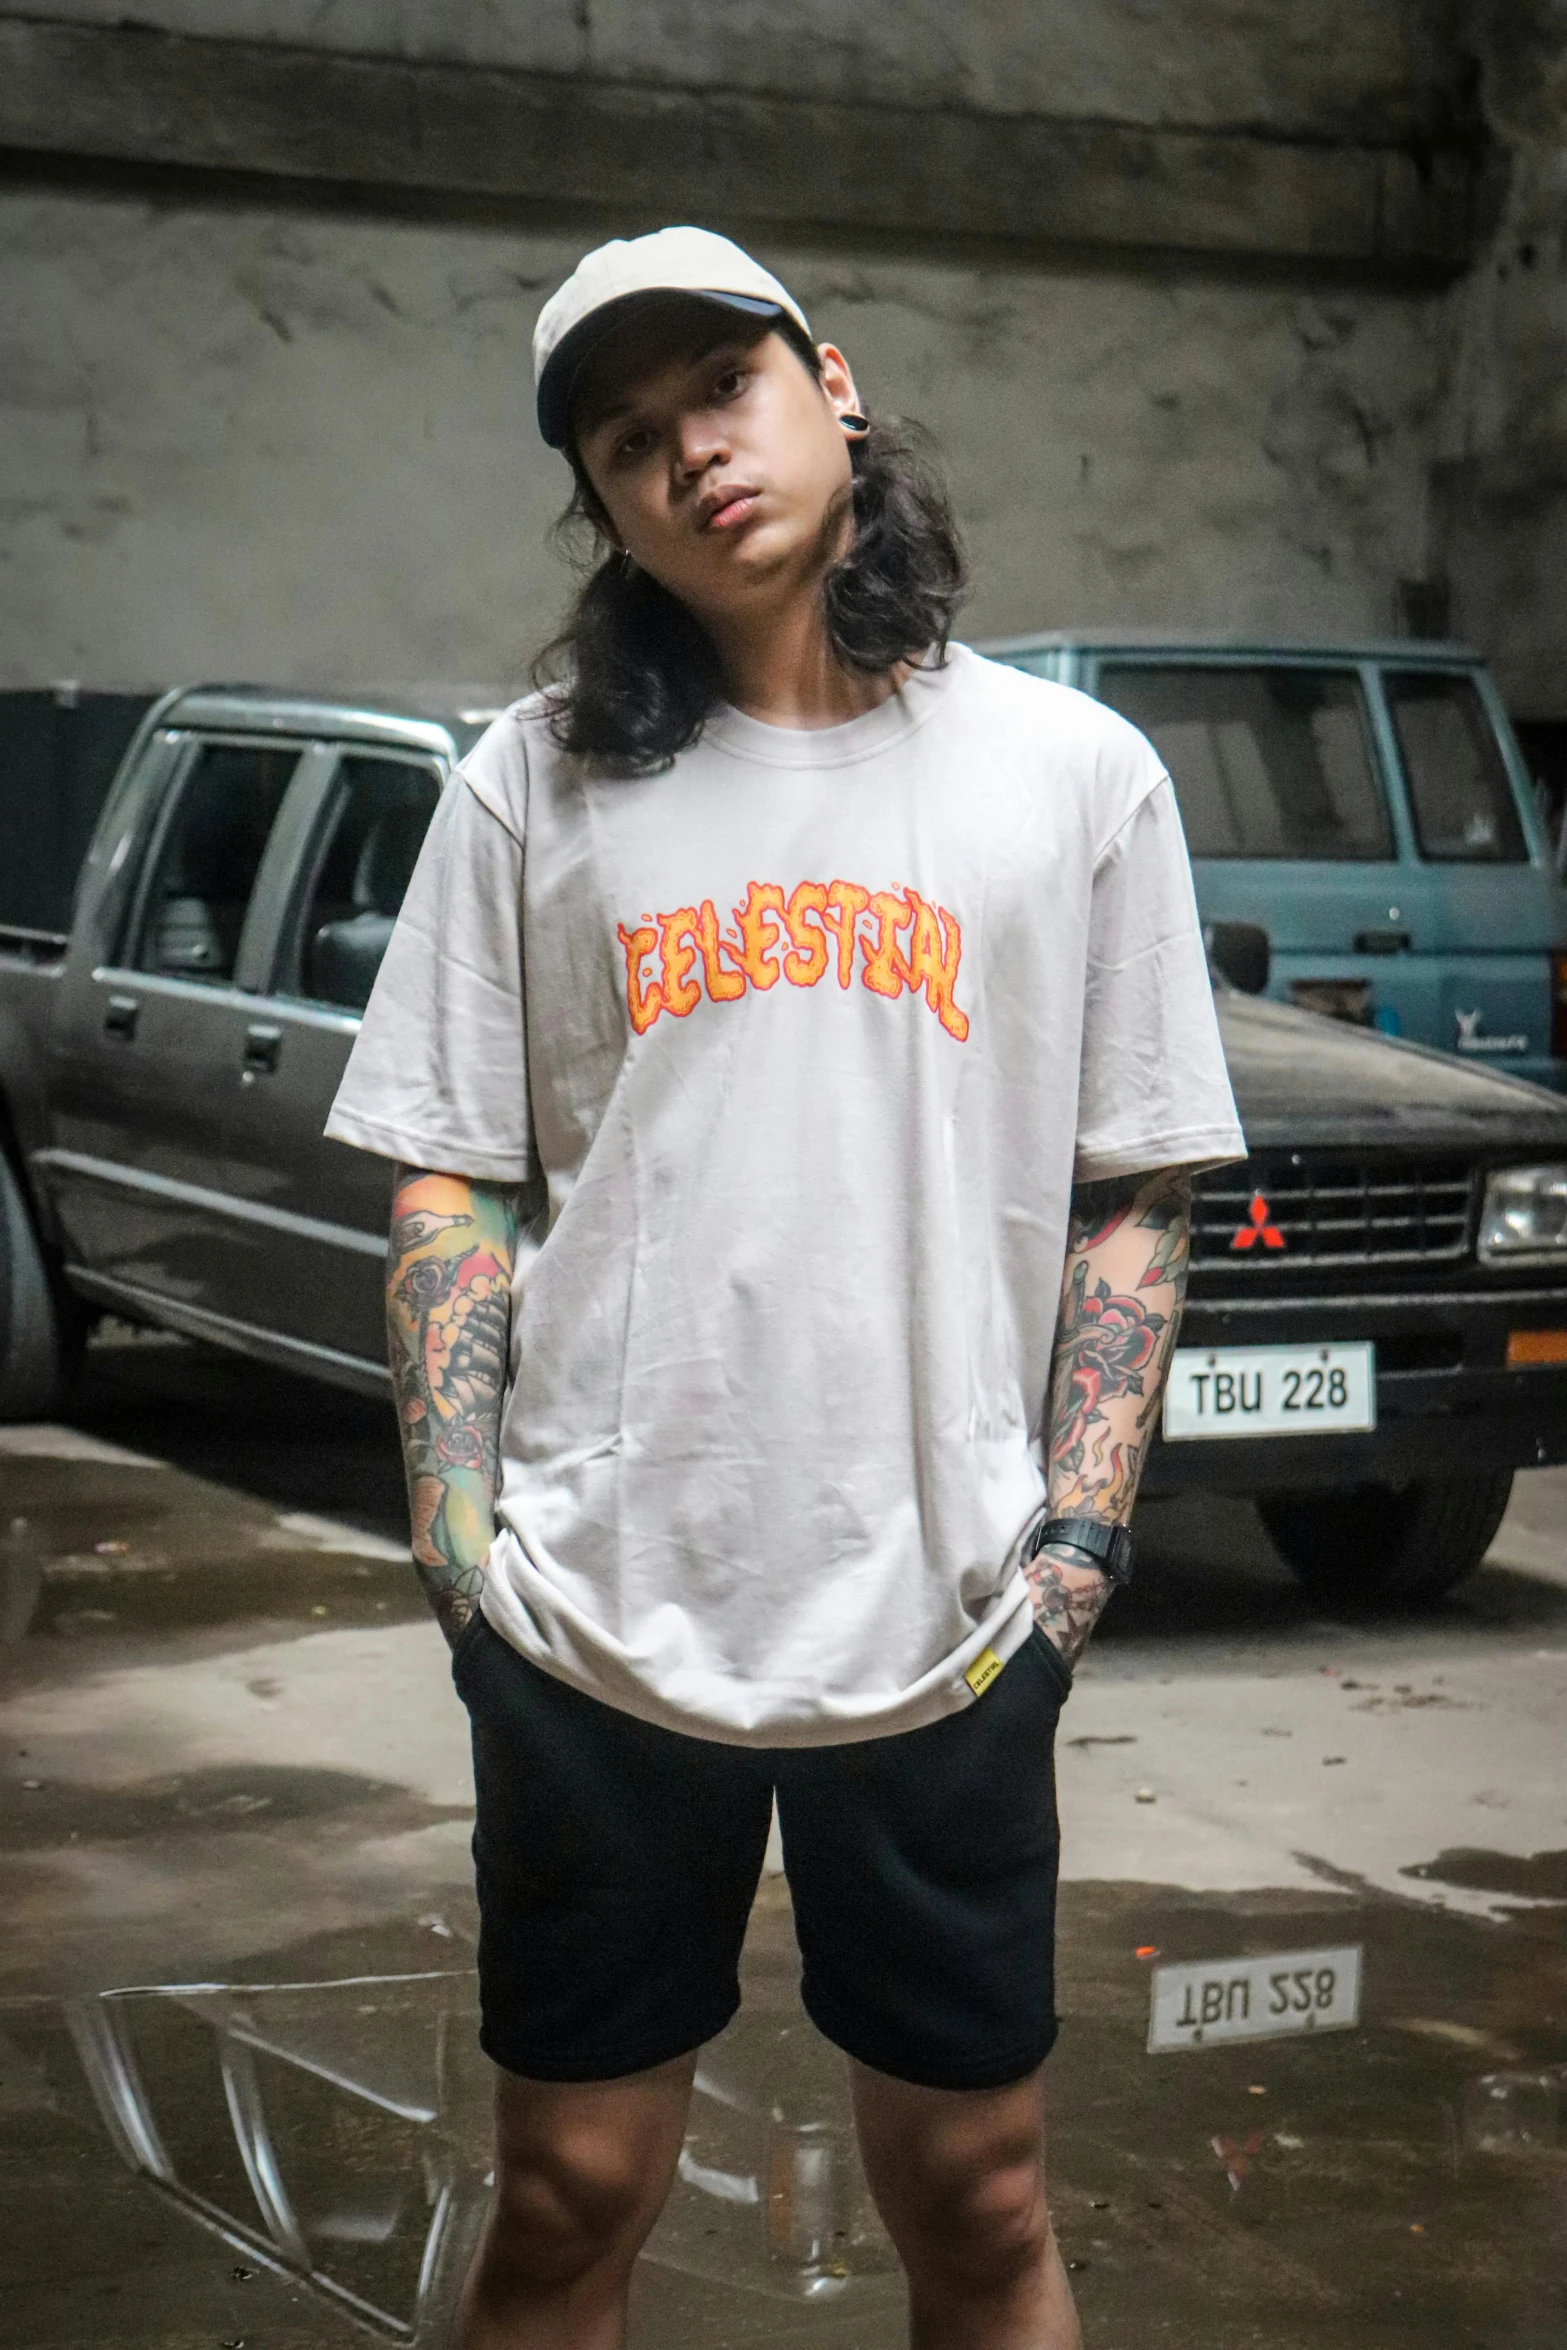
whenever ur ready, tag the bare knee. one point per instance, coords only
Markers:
(977, 2229)
(959, 2178)
(559, 2214)
(580, 2173)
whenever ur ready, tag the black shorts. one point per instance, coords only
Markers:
(617, 1862)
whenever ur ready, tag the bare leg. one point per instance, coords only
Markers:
(959, 2177)
(581, 2172)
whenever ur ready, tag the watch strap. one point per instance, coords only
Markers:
(1109, 1547)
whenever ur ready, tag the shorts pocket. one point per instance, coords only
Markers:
(466, 1639)
(1052, 1663)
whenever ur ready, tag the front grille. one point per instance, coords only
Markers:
(1285, 1208)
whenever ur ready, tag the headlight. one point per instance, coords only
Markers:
(1524, 1220)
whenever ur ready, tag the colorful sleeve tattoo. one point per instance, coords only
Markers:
(1121, 1293)
(448, 1314)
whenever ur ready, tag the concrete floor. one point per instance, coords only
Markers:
(239, 2099)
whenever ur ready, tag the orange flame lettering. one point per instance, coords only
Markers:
(846, 901)
(814, 919)
(723, 986)
(677, 945)
(886, 970)
(761, 926)
(934, 956)
(807, 958)
(644, 998)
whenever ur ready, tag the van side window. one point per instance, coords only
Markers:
(381, 812)
(208, 858)
(1266, 762)
(1463, 803)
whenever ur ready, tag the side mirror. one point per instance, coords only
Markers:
(1243, 951)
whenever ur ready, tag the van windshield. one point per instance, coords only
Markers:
(1266, 762)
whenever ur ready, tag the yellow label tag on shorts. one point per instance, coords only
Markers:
(983, 1671)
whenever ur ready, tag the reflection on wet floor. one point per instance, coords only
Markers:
(277, 2162)
(310, 2160)
(336, 2134)
(331, 2169)
(233, 1767)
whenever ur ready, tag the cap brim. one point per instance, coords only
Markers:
(557, 386)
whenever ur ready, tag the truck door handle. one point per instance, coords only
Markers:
(120, 1017)
(1382, 942)
(263, 1045)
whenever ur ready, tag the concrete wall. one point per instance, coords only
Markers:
(242, 444)
(281, 438)
(1501, 477)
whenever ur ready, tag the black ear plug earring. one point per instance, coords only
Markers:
(855, 425)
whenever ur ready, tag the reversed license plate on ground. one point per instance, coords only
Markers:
(1254, 1998)
(1270, 1390)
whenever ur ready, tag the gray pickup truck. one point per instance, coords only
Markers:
(1377, 1330)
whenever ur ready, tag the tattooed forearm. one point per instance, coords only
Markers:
(448, 1318)
(1125, 1278)
(1121, 1297)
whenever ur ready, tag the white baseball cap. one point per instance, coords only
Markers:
(580, 314)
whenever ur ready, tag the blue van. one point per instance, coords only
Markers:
(1369, 807)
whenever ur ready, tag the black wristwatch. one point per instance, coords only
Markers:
(1109, 1548)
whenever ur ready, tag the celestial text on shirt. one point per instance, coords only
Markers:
(822, 924)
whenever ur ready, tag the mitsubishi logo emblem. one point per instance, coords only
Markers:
(1261, 1227)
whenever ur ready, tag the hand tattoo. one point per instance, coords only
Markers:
(1069, 1593)
(1124, 1281)
(448, 1311)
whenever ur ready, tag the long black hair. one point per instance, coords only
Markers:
(633, 677)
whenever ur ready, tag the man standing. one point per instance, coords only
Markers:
(793, 1042)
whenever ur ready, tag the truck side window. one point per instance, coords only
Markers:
(1266, 762)
(208, 858)
(382, 810)
(1463, 804)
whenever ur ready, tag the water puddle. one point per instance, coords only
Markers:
(241, 2100)
(274, 2147)
(287, 2161)
(93, 1551)
(50, 1813)
(1534, 1876)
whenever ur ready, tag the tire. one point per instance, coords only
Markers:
(42, 1329)
(1386, 1546)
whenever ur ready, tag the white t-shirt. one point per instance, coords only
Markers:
(802, 1043)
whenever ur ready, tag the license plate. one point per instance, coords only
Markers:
(1254, 1998)
(1270, 1390)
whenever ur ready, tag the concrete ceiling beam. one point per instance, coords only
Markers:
(498, 141)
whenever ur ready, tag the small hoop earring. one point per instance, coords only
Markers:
(628, 563)
(855, 425)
